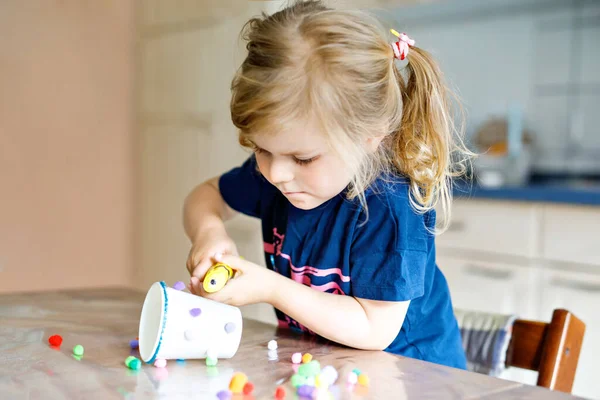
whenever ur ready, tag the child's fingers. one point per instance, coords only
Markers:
(195, 285)
(205, 263)
(194, 257)
(201, 267)
(225, 295)
(235, 262)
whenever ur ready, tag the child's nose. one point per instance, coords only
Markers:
(280, 171)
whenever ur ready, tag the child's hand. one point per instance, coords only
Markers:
(251, 284)
(205, 247)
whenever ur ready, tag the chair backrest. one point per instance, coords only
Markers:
(552, 349)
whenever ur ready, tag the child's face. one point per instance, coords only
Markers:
(301, 165)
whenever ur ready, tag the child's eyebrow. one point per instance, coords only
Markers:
(292, 153)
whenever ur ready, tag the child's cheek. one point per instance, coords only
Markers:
(315, 178)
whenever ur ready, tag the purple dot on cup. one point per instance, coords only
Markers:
(194, 312)
(179, 285)
(229, 327)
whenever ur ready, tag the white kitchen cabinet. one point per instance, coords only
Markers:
(570, 234)
(490, 286)
(579, 293)
(494, 227)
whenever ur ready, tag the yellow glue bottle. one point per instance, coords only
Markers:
(217, 277)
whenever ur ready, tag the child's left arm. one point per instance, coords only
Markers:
(359, 323)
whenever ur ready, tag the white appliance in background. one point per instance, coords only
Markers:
(497, 171)
(506, 160)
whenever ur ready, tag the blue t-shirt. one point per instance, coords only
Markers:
(391, 257)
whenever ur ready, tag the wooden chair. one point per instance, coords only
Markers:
(552, 349)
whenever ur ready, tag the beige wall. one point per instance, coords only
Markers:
(66, 144)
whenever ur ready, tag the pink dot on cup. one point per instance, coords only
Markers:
(179, 285)
(194, 312)
(229, 327)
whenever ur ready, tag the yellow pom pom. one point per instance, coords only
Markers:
(363, 379)
(319, 382)
(238, 380)
(306, 358)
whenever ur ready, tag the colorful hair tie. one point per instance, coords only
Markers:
(401, 47)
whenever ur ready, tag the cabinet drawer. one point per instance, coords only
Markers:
(571, 234)
(498, 227)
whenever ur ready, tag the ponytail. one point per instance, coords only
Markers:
(423, 147)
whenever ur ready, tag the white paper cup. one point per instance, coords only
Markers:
(169, 328)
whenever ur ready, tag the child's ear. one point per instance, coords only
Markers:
(373, 143)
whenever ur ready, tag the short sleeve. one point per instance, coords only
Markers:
(244, 188)
(396, 276)
(390, 252)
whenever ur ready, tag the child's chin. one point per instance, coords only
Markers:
(306, 204)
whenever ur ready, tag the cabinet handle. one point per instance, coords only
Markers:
(477, 270)
(576, 285)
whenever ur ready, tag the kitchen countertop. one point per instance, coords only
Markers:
(535, 192)
(104, 320)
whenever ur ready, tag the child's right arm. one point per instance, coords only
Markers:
(204, 213)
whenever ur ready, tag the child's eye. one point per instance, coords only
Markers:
(304, 162)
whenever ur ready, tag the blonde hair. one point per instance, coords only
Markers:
(337, 68)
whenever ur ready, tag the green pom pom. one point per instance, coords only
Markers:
(128, 360)
(310, 369)
(78, 350)
(135, 364)
(298, 380)
(211, 362)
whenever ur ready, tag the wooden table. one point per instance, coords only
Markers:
(104, 321)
